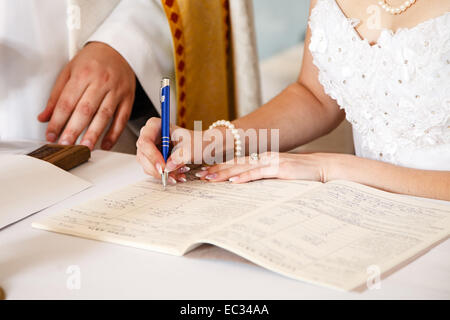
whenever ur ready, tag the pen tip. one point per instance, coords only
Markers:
(164, 180)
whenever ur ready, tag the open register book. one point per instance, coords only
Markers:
(328, 234)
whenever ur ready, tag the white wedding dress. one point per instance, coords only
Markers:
(396, 93)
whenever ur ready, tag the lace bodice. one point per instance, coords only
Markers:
(396, 93)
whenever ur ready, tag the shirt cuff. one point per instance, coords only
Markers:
(138, 30)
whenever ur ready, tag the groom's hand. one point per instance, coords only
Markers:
(97, 86)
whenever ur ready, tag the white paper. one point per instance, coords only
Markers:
(328, 234)
(19, 146)
(29, 185)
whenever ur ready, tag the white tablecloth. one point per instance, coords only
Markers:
(35, 264)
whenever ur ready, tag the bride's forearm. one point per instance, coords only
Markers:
(391, 178)
(297, 113)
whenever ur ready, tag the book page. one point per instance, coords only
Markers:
(336, 235)
(28, 185)
(144, 215)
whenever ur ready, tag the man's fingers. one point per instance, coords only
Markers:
(69, 98)
(57, 89)
(118, 125)
(100, 121)
(82, 115)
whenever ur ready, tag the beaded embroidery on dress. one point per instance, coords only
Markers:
(396, 93)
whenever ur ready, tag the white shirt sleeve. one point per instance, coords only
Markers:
(139, 31)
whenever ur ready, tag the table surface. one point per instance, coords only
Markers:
(36, 264)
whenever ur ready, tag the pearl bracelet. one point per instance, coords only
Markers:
(234, 131)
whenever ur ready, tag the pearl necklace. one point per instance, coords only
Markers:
(393, 10)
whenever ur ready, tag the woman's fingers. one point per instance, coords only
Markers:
(178, 159)
(219, 167)
(265, 172)
(174, 177)
(152, 153)
(146, 143)
(182, 152)
(266, 166)
(147, 166)
(151, 132)
(224, 171)
(270, 165)
(182, 178)
(180, 174)
(226, 174)
(177, 177)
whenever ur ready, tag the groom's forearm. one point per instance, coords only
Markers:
(391, 178)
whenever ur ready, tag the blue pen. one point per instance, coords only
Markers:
(165, 124)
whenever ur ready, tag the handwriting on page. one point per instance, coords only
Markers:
(146, 216)
(328, 234)
(331, 234)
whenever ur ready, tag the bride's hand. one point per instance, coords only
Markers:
(314, 166)
(150, 157)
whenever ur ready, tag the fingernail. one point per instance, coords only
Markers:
(107, 145)
(183, 179)
(88, 144)
(184, 169)
(211, 176)
(172, 180)
(201, 174)
(64, 142)
(159, 168)
(204, 168)
(170, 166)
(233, 179)
(51, 137)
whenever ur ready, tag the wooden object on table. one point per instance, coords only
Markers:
(2, 294)
(64, 157)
